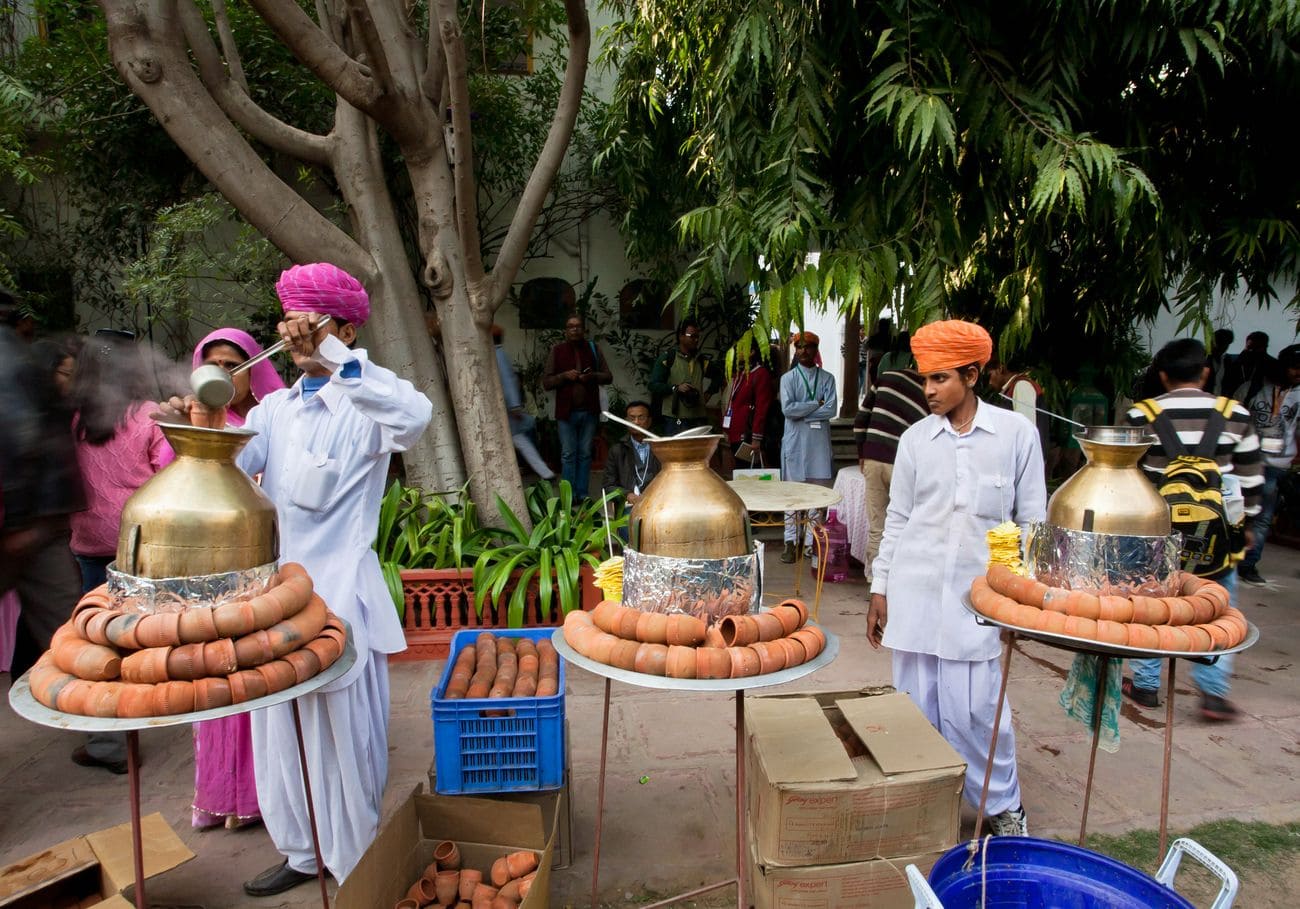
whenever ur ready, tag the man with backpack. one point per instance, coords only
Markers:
(682, 381)
(1206, 446)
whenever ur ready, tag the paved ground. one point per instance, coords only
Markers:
(675, 830)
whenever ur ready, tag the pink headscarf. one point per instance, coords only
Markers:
(263, 379)
(326, 288)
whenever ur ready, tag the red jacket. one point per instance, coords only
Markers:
(752, 396)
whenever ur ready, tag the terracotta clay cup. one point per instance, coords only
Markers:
(627, 622)
(796, 604)
(738, 630)
(483, 896)
(500, 872)
(469, 879)
(430, 872)
(521, 863)
(712, 663)
(685, 630)
(526, 884)
(606, 616)
(602, 647)
(812, 643)
(794, 652)
(713, 637)
(422, 891)
(789, 617)
(771, 658)
(407, 904)
(652, 628)
(501, 902)
(624, 655)
(770, 627)
(744, 662)
(447, 886)
(447, 855)
(510, 891)
(681, 662)
(652, 659)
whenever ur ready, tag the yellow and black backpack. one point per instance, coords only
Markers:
(1193, 487)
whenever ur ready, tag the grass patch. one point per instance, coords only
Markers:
(1240, 845)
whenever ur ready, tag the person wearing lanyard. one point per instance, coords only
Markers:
(631, 464)
(1274, 407)
(960, 471)
(808, 400)
(748, 401)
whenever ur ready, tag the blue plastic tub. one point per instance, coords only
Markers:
(1027, 873)
(519, 752)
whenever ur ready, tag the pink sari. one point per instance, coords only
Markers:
(224, 789)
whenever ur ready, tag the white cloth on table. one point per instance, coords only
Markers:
(960, 699)
(346, 737)
(946, 493)
(852, 510)
(324, 462)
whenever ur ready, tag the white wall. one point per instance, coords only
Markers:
(1243, 316)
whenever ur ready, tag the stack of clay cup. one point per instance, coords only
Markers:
(446, 885)
(681, 646)
(108, 662)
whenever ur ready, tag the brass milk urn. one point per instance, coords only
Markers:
(199, 515)
(688, 511)
(1111, 494)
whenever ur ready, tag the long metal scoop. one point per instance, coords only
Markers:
(213, 386)
(684, 434)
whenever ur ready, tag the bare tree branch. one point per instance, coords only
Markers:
(319, 52)
(228, 47)
(453, 47)
(435, 66)
(552, 155)
(377, 57)
(328, 22)
(236, 103)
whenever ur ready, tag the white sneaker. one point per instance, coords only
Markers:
(1011, 822)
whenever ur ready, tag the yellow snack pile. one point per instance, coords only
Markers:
(1004, 547)
(609, 578)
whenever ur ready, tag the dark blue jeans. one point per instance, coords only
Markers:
(1261, 522)
(577, 433)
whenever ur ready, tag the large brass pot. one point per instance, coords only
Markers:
(200, 514)
(688, 511)
(1110, 494)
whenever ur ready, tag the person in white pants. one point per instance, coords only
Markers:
(962, 470)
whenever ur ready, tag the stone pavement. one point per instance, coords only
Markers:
(675, 831)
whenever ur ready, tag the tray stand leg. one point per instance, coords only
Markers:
(600, 800)
(137, 847)
(997, 722)
(1169, 750)
(800, 525)
(1098, 695)
(822, 540)
(311, 807)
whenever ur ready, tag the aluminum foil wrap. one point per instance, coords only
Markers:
(706, 588)
(146, 595)
(1103, 563)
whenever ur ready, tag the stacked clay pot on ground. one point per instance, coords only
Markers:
(109, 663)
(505, 667)
(680, 646)
(1198, 619)
(445, 884)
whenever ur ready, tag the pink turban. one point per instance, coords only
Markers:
(950, 345)
(322, 287)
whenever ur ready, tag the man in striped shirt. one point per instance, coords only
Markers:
(899, 401)
(1183, 368)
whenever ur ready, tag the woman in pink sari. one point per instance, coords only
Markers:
(224, 791)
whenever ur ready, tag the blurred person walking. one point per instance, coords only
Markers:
(521, 422)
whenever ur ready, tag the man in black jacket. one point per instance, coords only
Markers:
(631, 464)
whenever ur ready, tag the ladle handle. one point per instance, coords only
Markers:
(271, 351)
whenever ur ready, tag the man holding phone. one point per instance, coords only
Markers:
(575, 370)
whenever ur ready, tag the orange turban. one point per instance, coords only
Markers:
(950, 345)
(805, 337)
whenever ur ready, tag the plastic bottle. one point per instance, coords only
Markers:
(837, 549)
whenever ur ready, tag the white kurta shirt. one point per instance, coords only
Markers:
(806, 445)
(947, 491)
(324, 462)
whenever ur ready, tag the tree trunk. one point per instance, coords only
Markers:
(852, 348)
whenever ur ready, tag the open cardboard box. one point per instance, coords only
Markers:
(811, 804)
(91, 870)
(484, 828)
(877, 884)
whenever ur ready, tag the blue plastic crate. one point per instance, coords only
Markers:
(521, 751)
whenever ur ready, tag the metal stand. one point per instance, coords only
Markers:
(738, 686)
(26, 706)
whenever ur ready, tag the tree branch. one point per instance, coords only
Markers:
(228, 47)
(453, 47)
(236, 103)
(435, 66)
(319, 52)
(328, 23)
(552, 155)
(374, 45)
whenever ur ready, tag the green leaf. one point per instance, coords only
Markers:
(519, 598)
(393, 580)
(545, 583)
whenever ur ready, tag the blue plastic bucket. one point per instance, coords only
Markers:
(1026, 873)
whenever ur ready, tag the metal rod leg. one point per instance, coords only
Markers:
(1098, 698)
(600, 800)
(800, 528)
(741, 902)
(1169, 750)
(993, 742)
(311, 806)
(137, 847)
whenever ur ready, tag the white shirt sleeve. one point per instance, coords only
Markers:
(401, 412)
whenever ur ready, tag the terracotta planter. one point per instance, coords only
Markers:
(440, 602)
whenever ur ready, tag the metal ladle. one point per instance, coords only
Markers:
(213, 386)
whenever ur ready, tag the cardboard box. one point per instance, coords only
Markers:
(554, 813)
(485, 828)
(878, 884)
(810, 803)
(91, 870)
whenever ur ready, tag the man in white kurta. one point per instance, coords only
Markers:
(808, 401)
(322, 448)
(958, 473)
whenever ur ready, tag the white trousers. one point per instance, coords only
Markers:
(345, 734)
(959, 699)
(524, 445)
